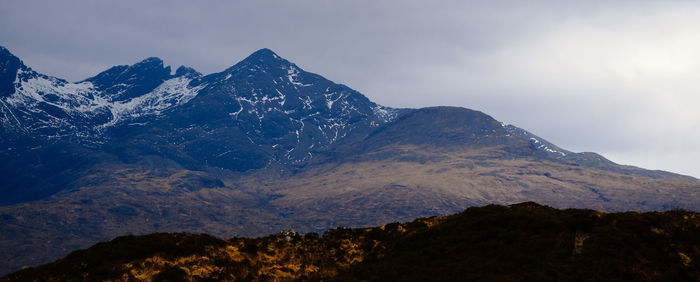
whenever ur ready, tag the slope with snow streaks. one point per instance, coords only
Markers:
(262, 110)
(55, 108)
(285, 110)
(537, 142)
(171, 93)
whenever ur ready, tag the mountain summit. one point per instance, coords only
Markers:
(121, 83)
(264, 57)
(9, 65)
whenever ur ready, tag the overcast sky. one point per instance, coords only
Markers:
(621, 79)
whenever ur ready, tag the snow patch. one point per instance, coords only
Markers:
(544, 147)
(172, 92)
(82, 100)
(384, 114)
(292, 76)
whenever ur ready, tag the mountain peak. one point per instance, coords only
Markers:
(186, 71)
(4, 52)
(126, 82)
(263, 57)
(152, 59)
(9, 65)
(149, 61)
(263, 53)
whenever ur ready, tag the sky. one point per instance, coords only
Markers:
(619, 78)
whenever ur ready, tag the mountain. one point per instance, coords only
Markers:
(261, 110)
(264, 146)
(54, 109)
(522, 242)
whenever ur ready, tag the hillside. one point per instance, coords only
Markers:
(522, 242)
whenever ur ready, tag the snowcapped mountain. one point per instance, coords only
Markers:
(42, 105)
(272, 101)
(263, 110)
(283, 110)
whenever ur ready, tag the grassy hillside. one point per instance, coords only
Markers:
(522, 242)
(393, 183)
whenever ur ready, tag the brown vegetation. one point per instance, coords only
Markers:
(523, 242)
(395, 183)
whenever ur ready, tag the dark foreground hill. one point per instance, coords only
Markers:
(522, 242)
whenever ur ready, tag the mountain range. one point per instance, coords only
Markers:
(265, 146)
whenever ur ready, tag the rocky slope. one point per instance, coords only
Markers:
(522, 242)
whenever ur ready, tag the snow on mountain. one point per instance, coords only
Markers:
(287, 110)
(56, 108)
(171, 93)
(537, 142)
(279, 109)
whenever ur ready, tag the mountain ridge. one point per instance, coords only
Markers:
(134, 106)
(264, 146)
